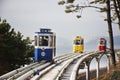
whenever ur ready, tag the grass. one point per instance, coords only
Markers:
(113, 75)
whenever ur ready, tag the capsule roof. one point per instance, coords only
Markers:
(44, 31)
(78, 37)
(102, 39)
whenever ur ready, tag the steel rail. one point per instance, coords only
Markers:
(12, 73)
(61, 74)
(52, 66)
(26, 70)
(31, 72)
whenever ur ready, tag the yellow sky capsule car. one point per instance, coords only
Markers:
(78, 44)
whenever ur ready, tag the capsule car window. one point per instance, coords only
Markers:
(101, 42)
(43, 40)
(77, 42)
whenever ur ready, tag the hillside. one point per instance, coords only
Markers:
(113, 75)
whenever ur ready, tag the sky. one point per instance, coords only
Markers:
(28, 16)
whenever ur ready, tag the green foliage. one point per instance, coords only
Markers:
(114, 17)
(101, 7)
(78, 16)
(103, 10)
(62, 2)
(70, 1)
(68, 11)
(70, 6)
(115, 75)
(105, 19)
(14, 50)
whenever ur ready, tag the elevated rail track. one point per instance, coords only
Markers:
(65, 67)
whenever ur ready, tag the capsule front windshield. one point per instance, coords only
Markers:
(43, 40)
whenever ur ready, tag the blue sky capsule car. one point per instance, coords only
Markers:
(44, 45)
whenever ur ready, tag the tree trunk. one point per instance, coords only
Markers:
(110, 32)
(118, 2)
(116, 6)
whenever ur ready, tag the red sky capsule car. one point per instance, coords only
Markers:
(102, 44)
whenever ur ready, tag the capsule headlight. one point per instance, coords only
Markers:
(43, 53)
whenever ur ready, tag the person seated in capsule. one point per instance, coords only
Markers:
(43, 41)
